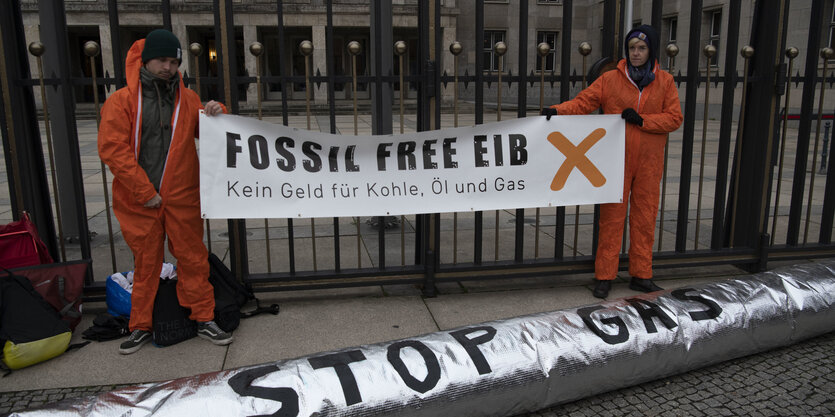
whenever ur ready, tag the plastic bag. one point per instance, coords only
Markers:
(117, 298)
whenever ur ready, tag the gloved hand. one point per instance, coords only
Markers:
(631, 116)
(548, 112)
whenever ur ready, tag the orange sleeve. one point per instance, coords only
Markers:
(670, 117)
(200, 107)
(587, 101)
(115, 149)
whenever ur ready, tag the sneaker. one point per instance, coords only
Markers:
(210, 331)
(136, 340)
(601, 290)
(643, 285)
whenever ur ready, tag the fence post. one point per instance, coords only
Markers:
(758, 138)
(381, 52)
(732, 53)
(427, 115)
(689, 126)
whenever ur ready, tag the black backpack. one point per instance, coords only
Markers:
(171, 324)
(31, 331)
(231, 296)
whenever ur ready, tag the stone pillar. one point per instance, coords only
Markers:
(320, 94)
(447, 60)
(107, 56)
(251, 65)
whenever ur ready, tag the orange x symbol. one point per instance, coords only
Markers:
(576, 156)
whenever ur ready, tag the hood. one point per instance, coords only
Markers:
(133, 63)
(652, 36)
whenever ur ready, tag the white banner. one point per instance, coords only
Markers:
(255, 169)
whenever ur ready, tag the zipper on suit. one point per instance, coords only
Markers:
(626, 73)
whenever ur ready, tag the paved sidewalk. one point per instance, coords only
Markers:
(800, 378)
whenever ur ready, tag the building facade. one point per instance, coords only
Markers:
(256, 20)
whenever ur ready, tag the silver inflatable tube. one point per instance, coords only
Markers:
(509, 366)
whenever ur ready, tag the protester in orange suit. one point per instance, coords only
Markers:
(146, 137)
(647, 98)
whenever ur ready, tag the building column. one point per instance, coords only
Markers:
(251, 65)
(447, 60)
(320, 93)
(107, 56)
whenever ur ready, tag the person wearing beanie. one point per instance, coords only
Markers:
(146, 137)
(647, 99)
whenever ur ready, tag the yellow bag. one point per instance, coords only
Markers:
(17, 356)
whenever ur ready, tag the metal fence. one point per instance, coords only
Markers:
(749, 166)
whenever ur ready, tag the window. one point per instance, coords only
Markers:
(715, 17)
(491, 60)
(832, 28)
(550, 60)
(670, 28)
(549, 1)
(672, 25)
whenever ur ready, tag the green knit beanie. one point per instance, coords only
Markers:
(161, 43)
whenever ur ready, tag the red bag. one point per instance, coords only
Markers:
(21, 246)
(61, 285)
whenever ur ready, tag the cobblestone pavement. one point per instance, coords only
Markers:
(798, 380)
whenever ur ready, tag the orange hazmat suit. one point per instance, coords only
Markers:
(178, 217)
(659, 106)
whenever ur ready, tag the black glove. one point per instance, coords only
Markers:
(631, 116)
(548, 112)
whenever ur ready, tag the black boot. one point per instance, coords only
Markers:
(601, 290)
(643, 285)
